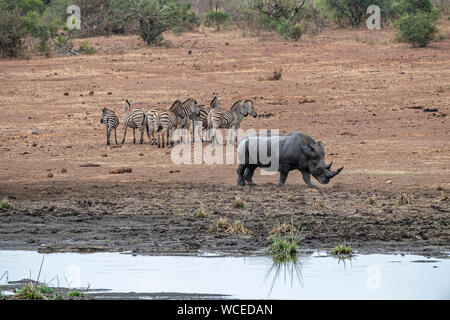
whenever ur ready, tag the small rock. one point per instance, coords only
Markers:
(63, 170)
(91, 93)
(34, 144)
(35, 132)
(50, 175)
(104, 155)
(66, 93)
(389, 182)
(174, 171)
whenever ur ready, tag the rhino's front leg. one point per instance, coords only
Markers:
(240, 171)
(284, 171)
(307, 178)
(248, 175)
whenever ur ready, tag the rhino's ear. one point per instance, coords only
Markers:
(322, 150)
(311, 152)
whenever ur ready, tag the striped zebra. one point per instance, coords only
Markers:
(135, 119)
(110, 120)
(153, 123)
(203, 117)
(189, 110)
(220, 118)
(169, 121)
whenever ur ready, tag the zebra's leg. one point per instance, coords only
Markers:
(115, 135)
(134, 135)
(248, 174)
(240, 171)
(159, 139)
(141, 141)
(108, 134)
(124, 133)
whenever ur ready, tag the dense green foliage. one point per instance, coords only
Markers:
(217, 19)
(44, 21)
(417, 29)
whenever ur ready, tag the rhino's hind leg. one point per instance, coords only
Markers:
(307, 178)
(248, 175)
(240, 171)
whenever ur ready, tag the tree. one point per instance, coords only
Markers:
(157, 16)
(216, 18)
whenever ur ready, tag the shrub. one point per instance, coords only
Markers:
(12, 32)
(157, 16)
(217, 19)
(85, 48)
(417, 29)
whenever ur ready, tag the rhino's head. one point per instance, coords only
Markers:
(317, 167)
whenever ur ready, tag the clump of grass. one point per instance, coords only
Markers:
(238, 203)
(32, 292)
(275, 75)
(373, 200)
(76, 294)
(321, 205)
(223, 225)
(404, 199)
(342, 250)
(6, 204)
(86, 48)
(443, 197)
(283, 249)
(200, 213)
(283, 228)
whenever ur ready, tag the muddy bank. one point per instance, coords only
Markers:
(151, 218)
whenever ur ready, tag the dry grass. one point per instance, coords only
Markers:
(320, 205)
(404, 199)
(223, 225)
(200, 213)
(283, 228)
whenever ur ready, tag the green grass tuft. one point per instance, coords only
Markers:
(6, 204)
(283, 249)
(200, 213)
(77, 294)
(342, 250)
(238, 203)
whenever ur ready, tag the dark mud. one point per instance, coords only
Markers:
(153, 218)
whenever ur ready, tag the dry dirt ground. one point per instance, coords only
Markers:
(362, 94)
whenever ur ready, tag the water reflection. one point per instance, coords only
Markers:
(287, 271)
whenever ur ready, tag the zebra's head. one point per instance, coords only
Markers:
(248, 106)
(215, 102)
(103, 119)
(194, 109)
(126, 105)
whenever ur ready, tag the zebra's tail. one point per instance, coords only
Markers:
(158, 125)
(145, 123)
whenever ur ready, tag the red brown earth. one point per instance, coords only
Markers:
(359, 92)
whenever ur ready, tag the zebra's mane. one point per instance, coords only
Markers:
(237, 106)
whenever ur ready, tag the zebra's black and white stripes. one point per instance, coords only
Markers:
(135, 119)
(111, 122)
(220, 118)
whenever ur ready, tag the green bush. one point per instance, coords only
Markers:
(289, 31)
(417, 29)
(158, 16)
(217, 19)
(354, 12)
(85, 48)
(12, 32)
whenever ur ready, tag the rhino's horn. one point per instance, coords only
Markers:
(332, 174)
(329, 166)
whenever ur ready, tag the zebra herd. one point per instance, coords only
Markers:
(162, 123)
